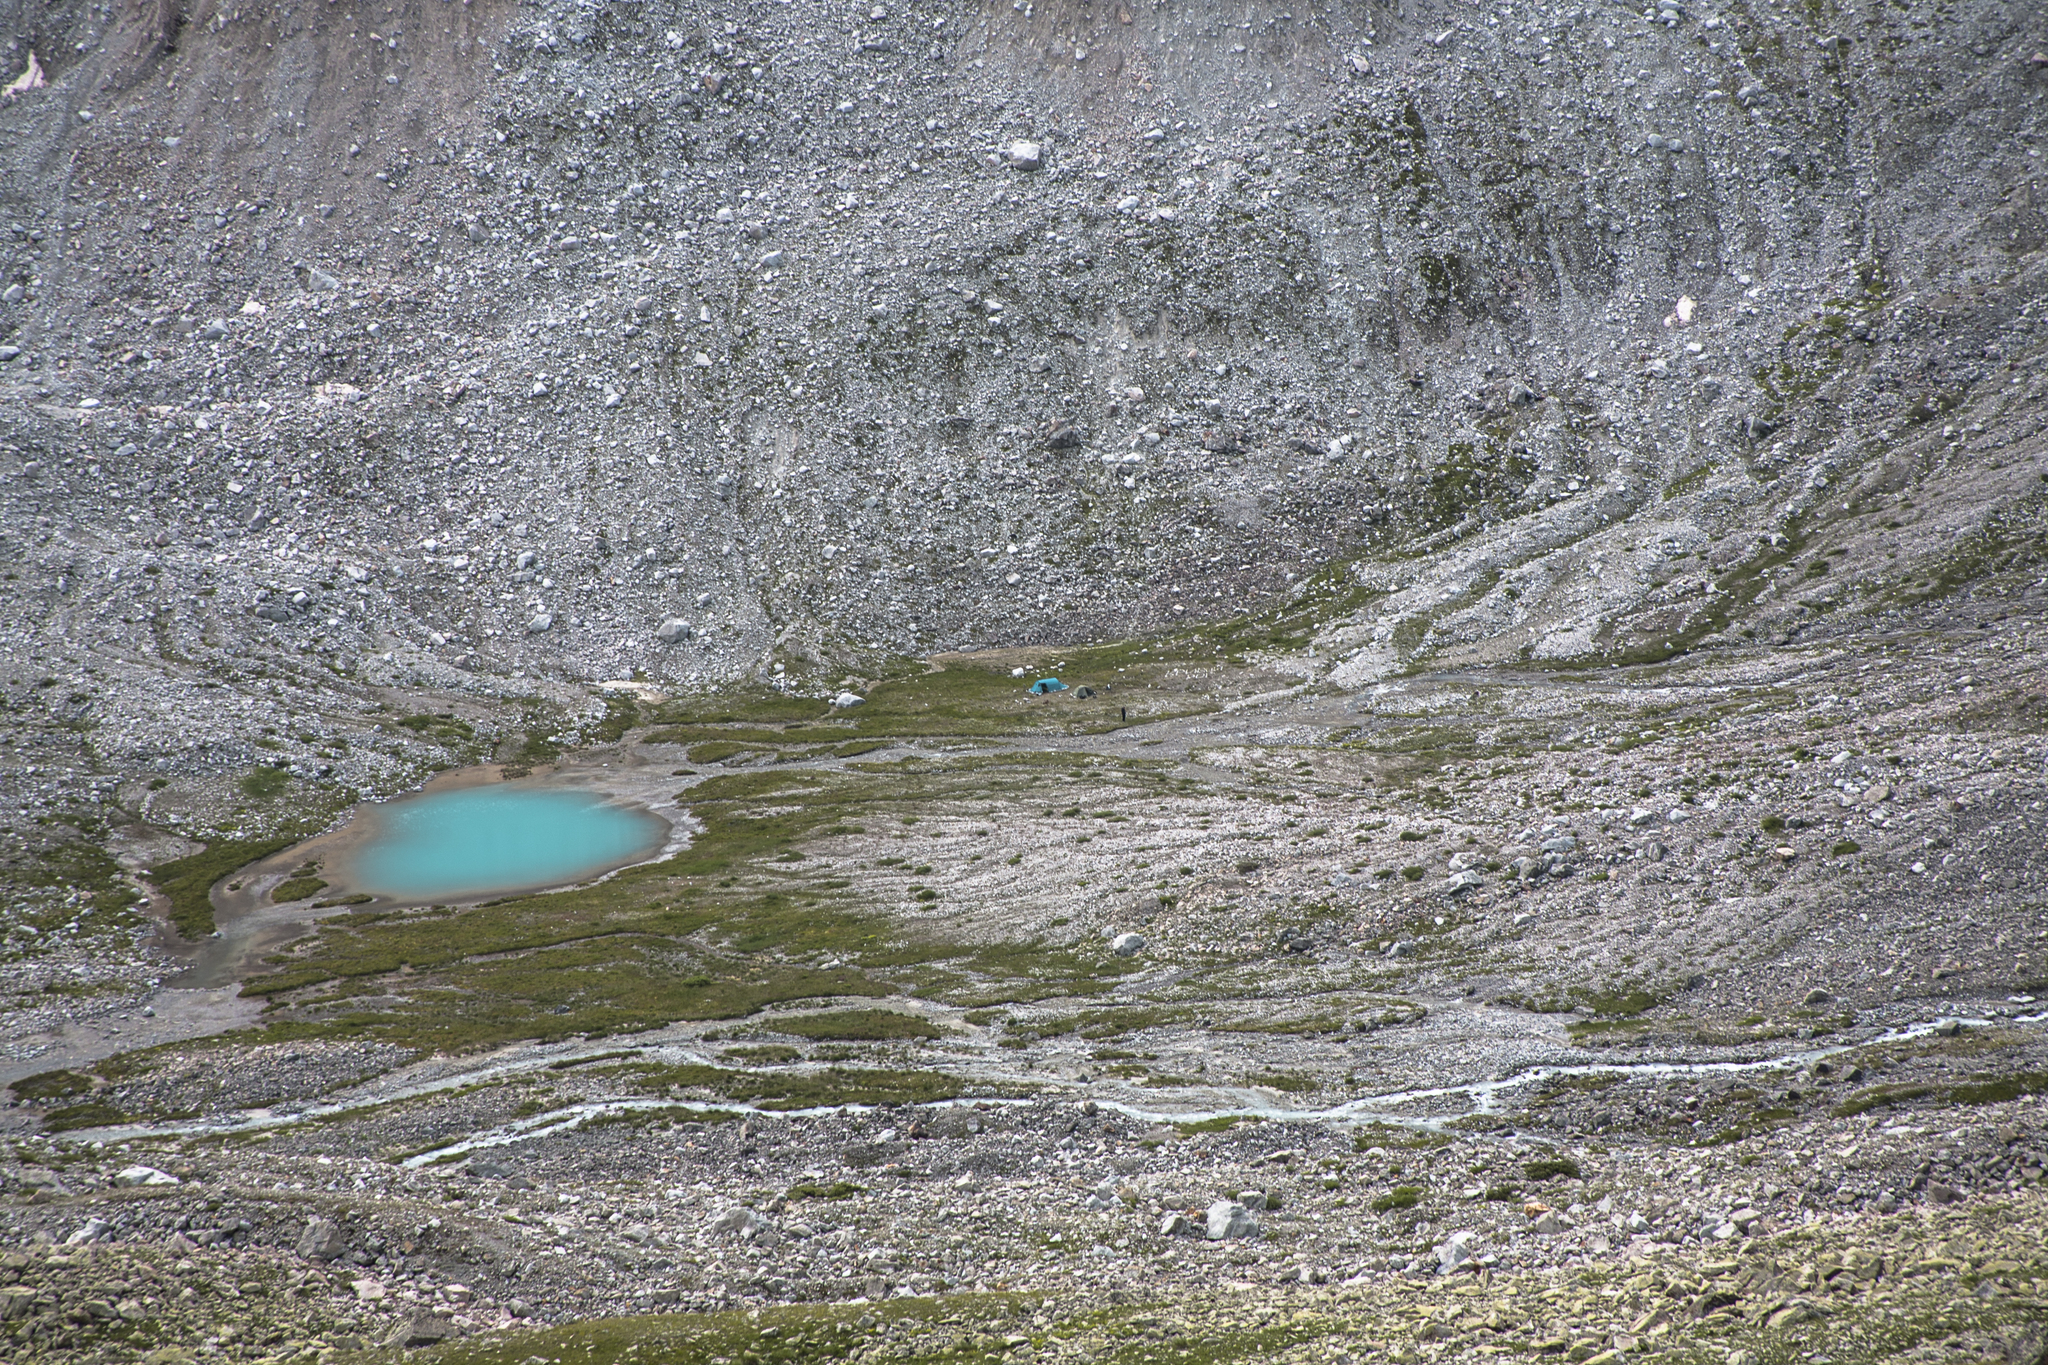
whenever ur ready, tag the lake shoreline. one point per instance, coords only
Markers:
(252, 926)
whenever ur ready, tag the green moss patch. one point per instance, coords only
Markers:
(718, 751)
(1551, 1168)
(1106, 1023)
(1994, 1090)
(263, 783)
(857, 1026)
(838, 1189)
(783, 1090)
(1222, 1123)
(1392, 1137)
(45, 1086)
(975, 695)
(296, 889)
(91, 1114)
(967, 1329)
(443, 729)
(1593, 1029)
(188, 881)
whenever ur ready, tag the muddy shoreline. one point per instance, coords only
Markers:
(201, 998)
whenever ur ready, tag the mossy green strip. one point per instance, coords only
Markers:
(188, 881)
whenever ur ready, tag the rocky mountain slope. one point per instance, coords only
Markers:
(527, 330)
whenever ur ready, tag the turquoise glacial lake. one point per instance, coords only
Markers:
(479, 841)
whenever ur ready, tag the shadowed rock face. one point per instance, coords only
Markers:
(510, 334)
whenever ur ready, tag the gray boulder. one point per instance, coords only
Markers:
(421, 1329)
(1230, 1220)
(1453, 1252)
(741, 1223)
(321, 1241)
(673, 630)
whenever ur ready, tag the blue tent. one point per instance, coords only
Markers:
(1045, 685)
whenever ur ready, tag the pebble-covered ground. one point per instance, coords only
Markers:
(1085, 1231)
(1638, 1059)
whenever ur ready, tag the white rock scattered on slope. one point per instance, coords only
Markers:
(144, 1175)
(1229, 1220)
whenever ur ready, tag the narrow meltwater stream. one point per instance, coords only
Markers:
(1483, 1096)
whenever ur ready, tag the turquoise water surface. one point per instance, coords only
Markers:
(475, 841)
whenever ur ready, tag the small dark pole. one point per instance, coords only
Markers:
(1126, 710)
